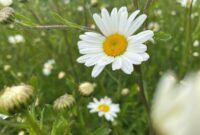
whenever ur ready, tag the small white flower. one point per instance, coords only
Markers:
(6, 3)
(3, 116)
(105, 108)
(16, 39)
(48, 67)
(196, 43)
(185, 3)
(116, 45)
(176, 109)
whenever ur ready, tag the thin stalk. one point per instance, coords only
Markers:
(34, 125)
(136, 4)
(141, 83)
(11, 124)
(147, 5)
(141, 91)
(188, 38)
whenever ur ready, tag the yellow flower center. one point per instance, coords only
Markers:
(104, 108)
(115, 45)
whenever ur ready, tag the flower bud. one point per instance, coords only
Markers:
(125, 92)
(63, 102)
(86, 88)
(15, 97)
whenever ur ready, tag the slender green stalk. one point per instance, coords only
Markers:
(34, 125)
(186, 62)
(147, 5)
(136, 4)
(141, 83)
(11, 124)
(141, 91)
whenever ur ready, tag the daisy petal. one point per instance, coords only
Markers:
(134, 58)
(140, 48)
(130, 20)
(100, 24)
(97, 70)
(136, 24)
(114, 18)
(145, 56)
(105, 60)
(117, 64)
(106, 19)
(127, 67)
(141, 37)
(93, 60)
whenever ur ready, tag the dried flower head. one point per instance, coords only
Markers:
(15, 97)
(63, 102)
(6, 15)
(86, 88)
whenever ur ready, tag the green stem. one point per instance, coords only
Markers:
(34, 125)
(11, 124)
(188, 39)
(141, 91)
(147, 5)
(136, 5)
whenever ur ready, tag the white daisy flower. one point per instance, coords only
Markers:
(105, 108)
(176, 106)
(3, 116)
(116, 45)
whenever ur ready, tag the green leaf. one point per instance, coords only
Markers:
(162, 36)
(102, 131)
(34, 82)
(61, 127)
